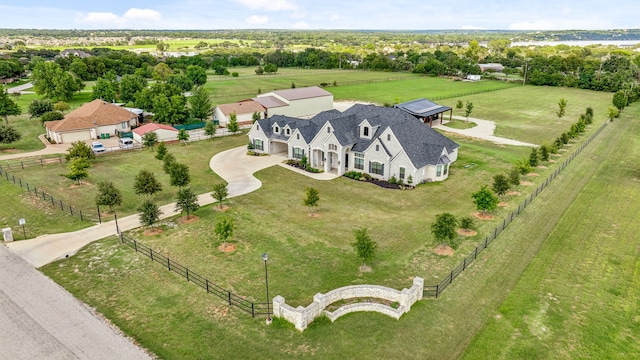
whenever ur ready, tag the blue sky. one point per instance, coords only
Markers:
(321, 14)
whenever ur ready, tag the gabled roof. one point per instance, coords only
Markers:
(422, 144)
(302, 93)
(90, 115)
(241, 107)
(422, 107)
(152, 127)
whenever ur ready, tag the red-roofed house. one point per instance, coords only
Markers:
(244, 110)
(91, 120)
(164, 132)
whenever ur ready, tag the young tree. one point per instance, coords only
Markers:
(210, 129)
(485, 200)
(524, 167)
(179, 175)
(467, 223)
(468, 109)
(255, 116)
(39, 107)
(500, 184)
(220, 192)
(544, 152)
(8, 107)
(78, 169)
(459, 105)
(514, 176)
(200, 105)
(365, 247)
(588, 115)
(224, 229)
(620, 100)
(146, 183)
(150, 139)
(311, 199)
(444, 229)
(61, 106)
(108, 195)
(232, 126)
(270, 68)
(149, 212)
(259, 71)
(183, 136)
(161, 151)
(187, 201)
(8, 134)
(562, 106)
(79, 149)
(533, 157)
(612, 113)
(167, 161)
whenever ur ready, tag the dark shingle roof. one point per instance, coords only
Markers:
(422, 144)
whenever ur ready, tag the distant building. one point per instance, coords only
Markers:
(297, 102)
(473, 77)
(243, 109)
(492, 67)
(164, 132)
(74, 52)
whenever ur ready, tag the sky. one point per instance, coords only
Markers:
(321, 14)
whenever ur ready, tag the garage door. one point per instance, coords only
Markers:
(278, 147)
(70, 137)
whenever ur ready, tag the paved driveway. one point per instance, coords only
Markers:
(483, 130)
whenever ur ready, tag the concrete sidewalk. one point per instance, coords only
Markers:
(41, 320)
(484, 129)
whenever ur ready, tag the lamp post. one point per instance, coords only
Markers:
(265, 257)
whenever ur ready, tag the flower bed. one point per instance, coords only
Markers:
(355, 175)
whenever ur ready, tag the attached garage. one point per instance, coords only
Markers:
(278, 147)
(70, 137)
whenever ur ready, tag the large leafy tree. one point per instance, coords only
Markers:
(365, 247)
(51, 81)
(149, 212)
(200, 105)
(39, 107)
(183, 82)
(161, 72)
(78, 169)
(444, 229)
(197, 74)
(130, 85)
(108, 195)
(8, 107)
(146, 183)
(104, 90)
(187, 201)
(170, 110)
(485, 200)
(8, 134)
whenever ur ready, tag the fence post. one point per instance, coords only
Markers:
(437, 290)
(71, 210)
(81, 218)
(22, 164)
(475, 256)
(168, 264)
(61, 206)
(451, 277)
(253, 314)
(20, 180)
(229, 294)
(28, 190)
(464, 264)
(115, 217)
(187, 274)
(41, 164)
(99, 217)
(151, 253)
(60, 158)
(135, 245)
(206, 283)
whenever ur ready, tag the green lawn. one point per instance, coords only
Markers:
(528, 113)
(579, 297)
(40, 217)
(172, 317)
(29, 130)
(122, 167)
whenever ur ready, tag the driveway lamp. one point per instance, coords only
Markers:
(265, 257)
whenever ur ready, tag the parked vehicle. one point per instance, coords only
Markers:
(125, 143)
(97, 147)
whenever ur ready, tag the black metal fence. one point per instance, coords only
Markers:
(437, 289)
(250, 307)
(20, 164)
(82, 214)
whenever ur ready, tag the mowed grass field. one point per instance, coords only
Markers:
(177, 320)
(579, 297)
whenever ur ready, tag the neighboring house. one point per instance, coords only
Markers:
(296, 102)
(492, 67)
(73, 52)
(380, 141)
(244, 111)
(164, 132)
(425, 110)
(90, 121)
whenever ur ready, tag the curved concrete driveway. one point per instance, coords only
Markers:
(484, 130)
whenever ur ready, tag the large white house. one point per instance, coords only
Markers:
(380, 141)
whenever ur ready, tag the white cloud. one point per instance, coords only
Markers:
(257, 20)
(269, 5)
(300, 25)
(471, 27)
(561, 24)
(131, 17)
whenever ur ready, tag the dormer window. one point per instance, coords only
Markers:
(328, 130)
(365, 131)
(276, 130)
(287, 131)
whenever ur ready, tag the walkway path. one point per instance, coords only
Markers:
(20, 88)
(41, 320)
(484, 130)
(48, 150)
(232, 165)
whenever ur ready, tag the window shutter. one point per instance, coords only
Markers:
(369, 166)
(382, 169)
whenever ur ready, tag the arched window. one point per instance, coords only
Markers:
(365, 131)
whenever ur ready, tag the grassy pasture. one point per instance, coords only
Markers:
(178, 320)
(579, 296)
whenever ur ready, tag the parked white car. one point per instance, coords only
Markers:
(97, 147)
(125, 143)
